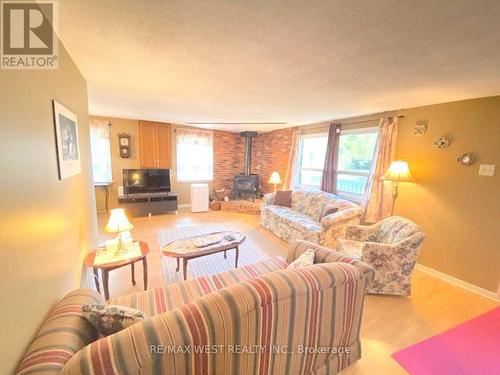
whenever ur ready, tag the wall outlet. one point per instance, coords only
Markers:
(487, 170)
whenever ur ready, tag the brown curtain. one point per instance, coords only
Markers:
(377, 200)
(329, 180)
(288, 183)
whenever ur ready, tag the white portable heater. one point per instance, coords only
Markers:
(199, 197)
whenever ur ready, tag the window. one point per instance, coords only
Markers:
(356, 151)
(194, 153)
(100, 147)
(312, 159)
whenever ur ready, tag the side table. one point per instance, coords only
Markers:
(108, 267)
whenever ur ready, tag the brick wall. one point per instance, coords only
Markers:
(228, 158)
(270, 152)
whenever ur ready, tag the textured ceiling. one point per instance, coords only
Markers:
(279, 62)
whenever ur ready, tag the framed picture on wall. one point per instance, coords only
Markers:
(67, 146)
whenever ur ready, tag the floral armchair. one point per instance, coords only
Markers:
(391, 247)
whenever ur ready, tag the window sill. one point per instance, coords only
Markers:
(306, 187)
(350, 197)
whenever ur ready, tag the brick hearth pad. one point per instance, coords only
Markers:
(244, 206)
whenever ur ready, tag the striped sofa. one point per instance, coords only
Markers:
(259, 319)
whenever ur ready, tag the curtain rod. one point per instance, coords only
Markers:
(363, 121)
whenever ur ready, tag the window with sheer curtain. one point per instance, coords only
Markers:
(100, 145)
(195, 154)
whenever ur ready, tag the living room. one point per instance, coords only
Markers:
(308, 188)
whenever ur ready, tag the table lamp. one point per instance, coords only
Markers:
(275, 179)
(118, 223)
(398, 172)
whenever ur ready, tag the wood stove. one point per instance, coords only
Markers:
(246, 184)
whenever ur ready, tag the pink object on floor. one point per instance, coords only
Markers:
(472, 348)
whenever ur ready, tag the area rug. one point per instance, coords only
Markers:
(210, 264)
(472, 348)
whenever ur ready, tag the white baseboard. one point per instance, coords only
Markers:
(463, 284)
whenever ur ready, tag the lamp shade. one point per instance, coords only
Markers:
(275, 178)
(118, 222)
(398, 172)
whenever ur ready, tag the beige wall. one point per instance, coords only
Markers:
(47, 226)
(119, 125)
(458, 209)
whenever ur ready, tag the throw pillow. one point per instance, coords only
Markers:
(109, 319)
(329, 209)
(283, 198)
(305, 259)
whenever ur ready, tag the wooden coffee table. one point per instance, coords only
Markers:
(108, 267)
(186, 248)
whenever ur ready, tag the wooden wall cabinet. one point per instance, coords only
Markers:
(155, 144)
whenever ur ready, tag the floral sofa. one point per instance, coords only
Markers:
(391, 247)
(303, 219)
(203, 325)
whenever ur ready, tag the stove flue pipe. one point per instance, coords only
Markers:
(248, 151)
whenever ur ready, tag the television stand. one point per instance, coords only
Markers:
(144, 204)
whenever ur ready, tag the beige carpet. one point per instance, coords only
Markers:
(210, 264)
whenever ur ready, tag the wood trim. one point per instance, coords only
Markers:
(460, 283)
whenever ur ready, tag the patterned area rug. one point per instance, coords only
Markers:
(210, 264)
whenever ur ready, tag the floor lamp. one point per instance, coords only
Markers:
(397, 172)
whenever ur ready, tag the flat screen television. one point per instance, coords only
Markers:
(137, 181)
